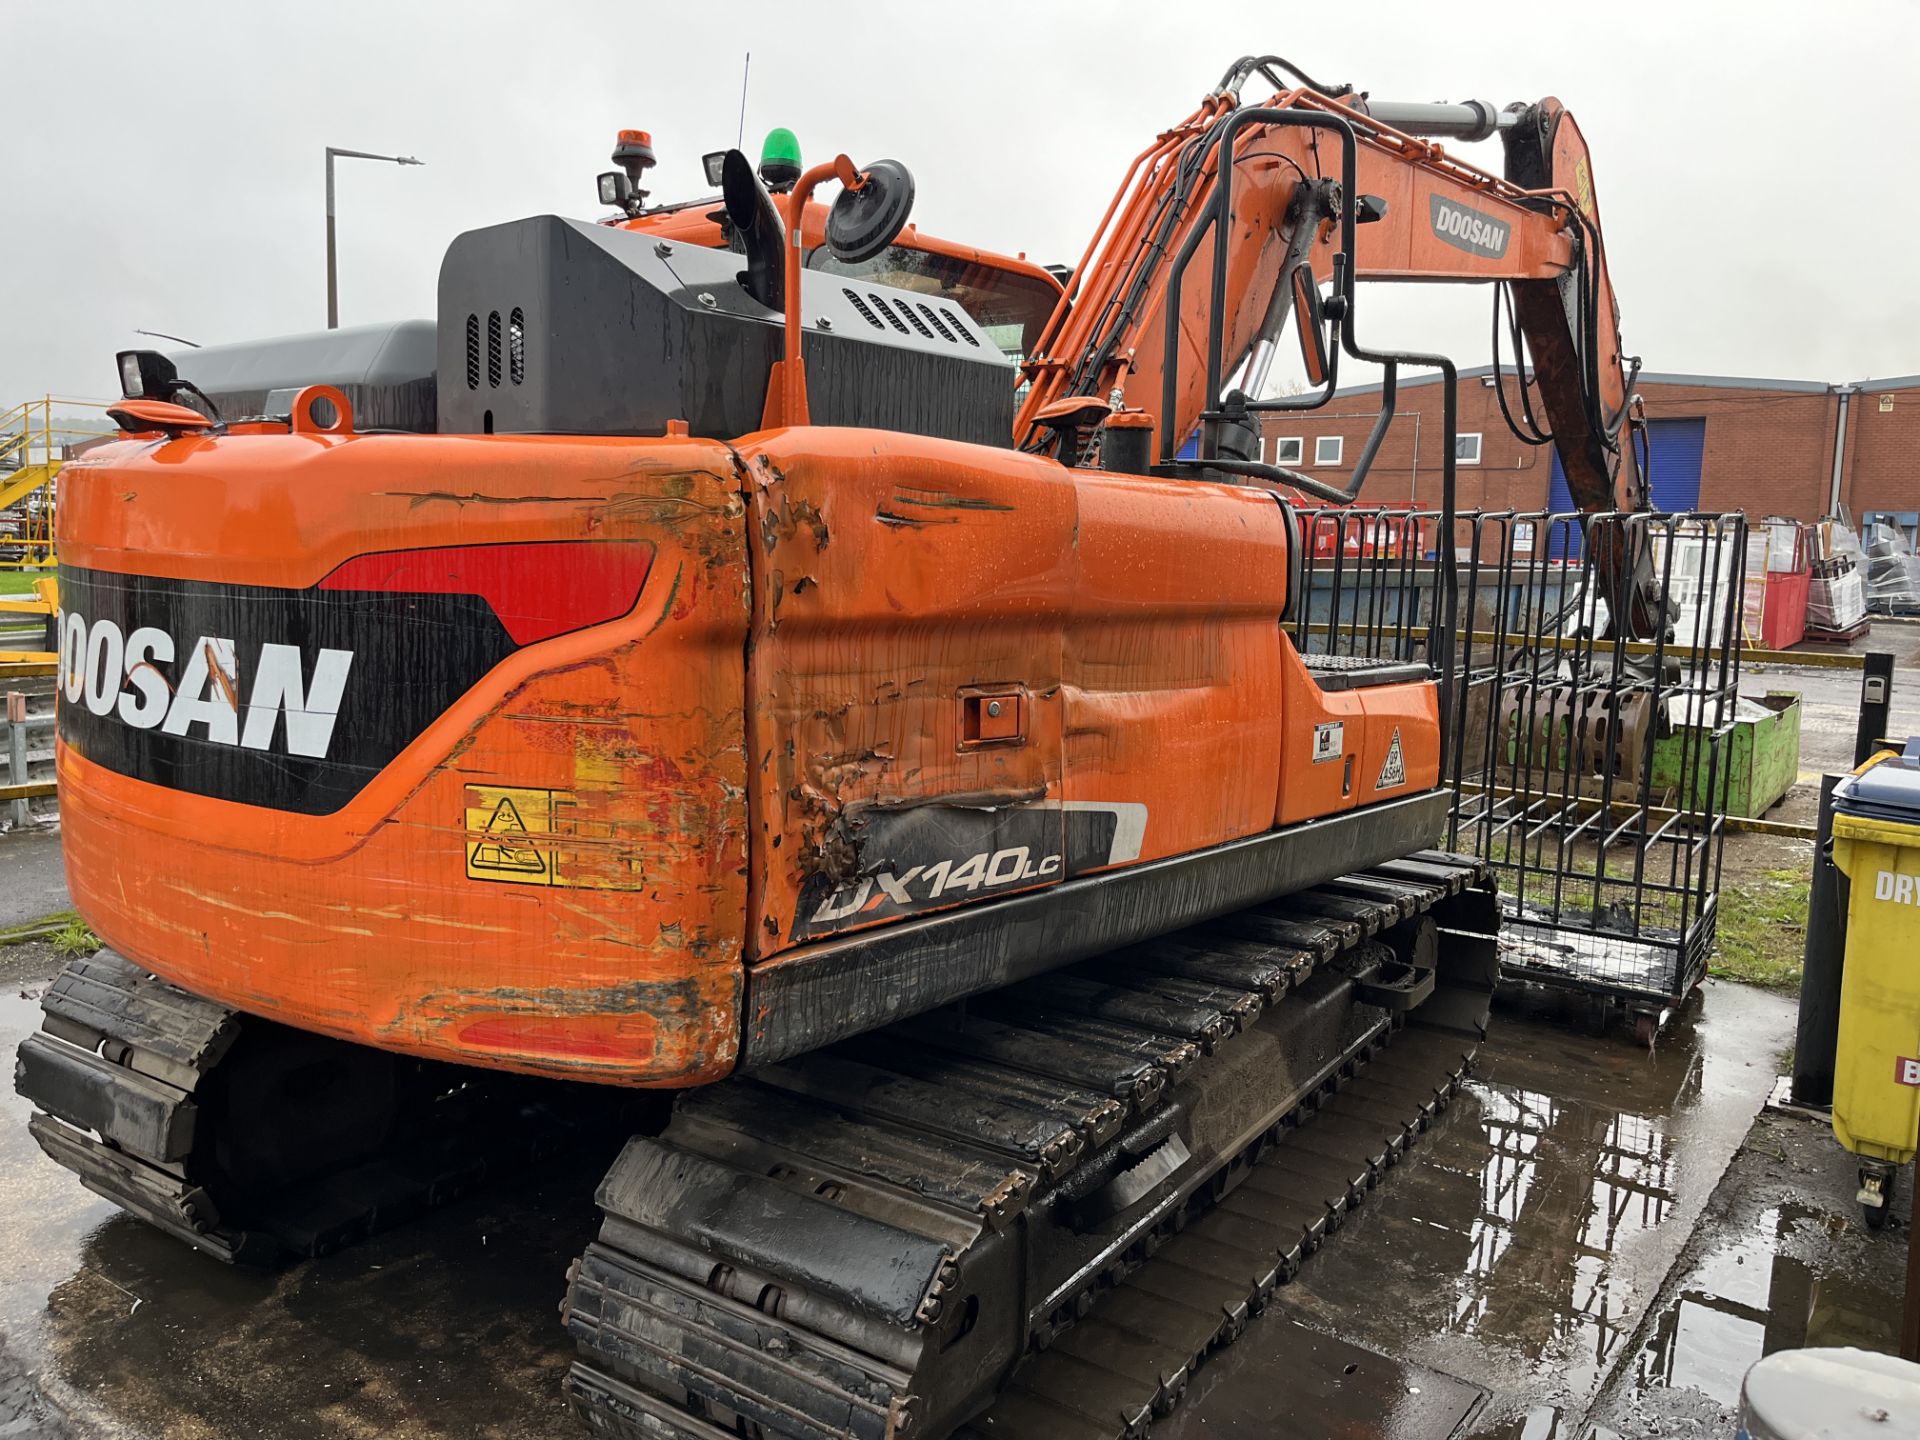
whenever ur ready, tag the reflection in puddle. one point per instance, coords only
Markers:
(1520, 1251)
(1749, 1298)
(1563, 1185)
(1543, 1422)
(1523, 1248)
(48, 1215)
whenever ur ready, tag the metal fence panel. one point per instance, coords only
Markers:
(1590, 769)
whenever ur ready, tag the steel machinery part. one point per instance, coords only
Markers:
(1035, 1214)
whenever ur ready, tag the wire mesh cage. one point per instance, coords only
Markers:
(1588, 767)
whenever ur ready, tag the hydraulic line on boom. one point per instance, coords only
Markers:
(1534, 236)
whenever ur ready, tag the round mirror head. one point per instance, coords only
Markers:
(863, 222)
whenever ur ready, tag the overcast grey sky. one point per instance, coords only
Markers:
(163, 165)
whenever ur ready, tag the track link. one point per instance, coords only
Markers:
(1036, 1214)
(154, 1097)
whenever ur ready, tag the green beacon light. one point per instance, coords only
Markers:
(780, 160)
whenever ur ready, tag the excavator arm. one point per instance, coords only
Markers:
(1181, 298)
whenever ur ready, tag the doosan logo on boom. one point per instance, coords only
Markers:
(148, 680)
(1467, 229)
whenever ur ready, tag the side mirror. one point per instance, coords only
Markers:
(712, 162)
(861, 223)
(1311, 320)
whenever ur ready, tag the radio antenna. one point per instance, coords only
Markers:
(745, 70)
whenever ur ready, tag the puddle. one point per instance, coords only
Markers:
(47, 1226)
(1516, 1255)
(1543, 1422)
(1750, 1297)
(1331, 1388)
(1523, 1249)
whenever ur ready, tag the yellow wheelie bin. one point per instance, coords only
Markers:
(1876, 1086)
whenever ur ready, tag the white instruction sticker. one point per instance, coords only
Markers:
(1329, 741)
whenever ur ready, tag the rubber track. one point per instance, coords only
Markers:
(119, 1070)
(1130, 1360)
(790, 1251)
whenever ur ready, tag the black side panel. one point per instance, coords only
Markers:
(851, 382)
(604, 347)
(553, 326)
(841, 988)
(386, 372)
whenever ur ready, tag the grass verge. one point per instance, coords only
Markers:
(18, 582)
(74, 938)
(47, 927)
(1762, 930)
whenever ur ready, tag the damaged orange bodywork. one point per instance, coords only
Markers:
(543, 750)
(867, 676)
(1130, 627)
(599, 933)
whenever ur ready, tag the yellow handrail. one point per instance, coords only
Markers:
(32, 450)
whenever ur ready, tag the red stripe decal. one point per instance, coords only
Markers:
(539, 589)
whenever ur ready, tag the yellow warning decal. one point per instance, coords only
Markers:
(1583, 188)
(510, 835)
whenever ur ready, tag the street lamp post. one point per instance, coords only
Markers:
(333, 279)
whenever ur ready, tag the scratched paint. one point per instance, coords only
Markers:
(680, 783)
(366, 923)
(1138, 618)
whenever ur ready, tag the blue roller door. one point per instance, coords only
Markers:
(1677, 446)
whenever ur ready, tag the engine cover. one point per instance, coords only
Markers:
(557, 326)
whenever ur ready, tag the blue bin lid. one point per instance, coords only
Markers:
(1888, 789)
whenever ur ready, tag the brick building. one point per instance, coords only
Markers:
(1718, 443)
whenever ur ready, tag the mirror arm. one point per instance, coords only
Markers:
(787, 388)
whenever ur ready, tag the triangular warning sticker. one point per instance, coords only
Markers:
(502, 849)
(1394, 771)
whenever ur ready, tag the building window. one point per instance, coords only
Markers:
(1327, 448)
(1466, 448)
(1286, 449)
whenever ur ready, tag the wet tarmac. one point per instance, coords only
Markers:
(1525, 1249)
(1780, 1260)
(1830, 710)
(443, 1328)
(1539, 1262)
(36, 879)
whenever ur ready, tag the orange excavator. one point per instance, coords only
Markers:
(836, 705)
